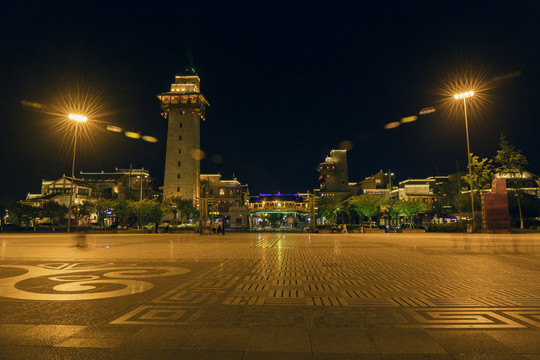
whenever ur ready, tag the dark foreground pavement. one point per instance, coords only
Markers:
(270, 296)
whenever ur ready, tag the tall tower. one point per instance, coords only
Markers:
(184, 106)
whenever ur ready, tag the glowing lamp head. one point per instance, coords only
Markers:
(79, 118)
(464, 95)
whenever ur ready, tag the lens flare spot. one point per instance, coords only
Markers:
(392, 125)
(427, 110)
(198, 154)
(346, 145)
(217, 159)
(132, 135)
(150, 139)
(32, 104)
(115, 129)
(409, 119)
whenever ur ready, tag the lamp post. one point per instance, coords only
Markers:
(464, 96)
(78, 119)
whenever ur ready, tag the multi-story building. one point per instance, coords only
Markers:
(334, 176)
(224, 199)
(184, 106)
(378, 184)
(122, 184)
(424, 190)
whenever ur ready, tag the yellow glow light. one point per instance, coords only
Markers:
(409, 119)
(392, 125)
(464, 95)
(80, 118)
(113, 128)
(150, 139)
(132, 135)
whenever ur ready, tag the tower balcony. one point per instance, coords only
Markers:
(172, 100)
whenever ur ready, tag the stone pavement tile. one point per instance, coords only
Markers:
(522, 341)
(54, 353)
(342, 341)
(279, 340)
(207, 355)
(343, 356)
(489, 357)
(109, 331)
(158, 338)
(91, 343)
(416, 357)
(277, 356)
(330, 317)
(466, 343)
(50, 334)
(13, 333)
(229, 339)
(404, 341)
(260, 316)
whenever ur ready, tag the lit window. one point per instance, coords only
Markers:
(221, 192)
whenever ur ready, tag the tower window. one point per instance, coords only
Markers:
(179, 137)
(178, 176)
(178, 162)
(180, 124)
(179, 151)
(178, 189)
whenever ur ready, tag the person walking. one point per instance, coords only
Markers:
(220, 226)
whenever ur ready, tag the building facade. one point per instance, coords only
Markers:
(334, 176)
(184, 106)
(224, 199)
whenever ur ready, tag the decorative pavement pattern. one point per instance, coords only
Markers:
(247, 295)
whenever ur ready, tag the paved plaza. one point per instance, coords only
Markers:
(270, 296)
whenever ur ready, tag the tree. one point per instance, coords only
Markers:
(412, 208)
(366, 205)
(32, 213)
(328, 207)
(16, 214)
(154, 211)
(125, 211)
(53, 211)
(148, 209)
(482, 173)
(511, 165)
(393, 209)
(100, 206)
(180, 206)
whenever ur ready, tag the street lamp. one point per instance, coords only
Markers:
(464, 96)
(78, 119)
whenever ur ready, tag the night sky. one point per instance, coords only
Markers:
(286, 84)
